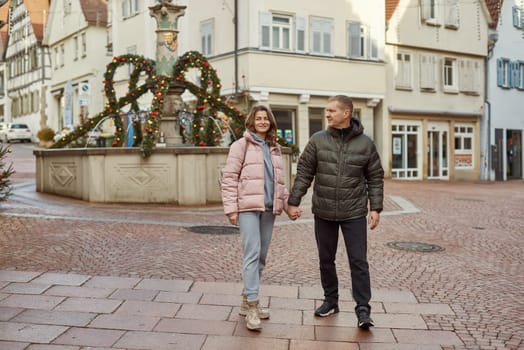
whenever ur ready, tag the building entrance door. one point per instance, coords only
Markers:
(438, 151)
(514, 154)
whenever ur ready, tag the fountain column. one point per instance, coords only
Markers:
(166, 15)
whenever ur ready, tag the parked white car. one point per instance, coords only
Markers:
(15, 131)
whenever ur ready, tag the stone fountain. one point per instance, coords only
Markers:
(178, 173)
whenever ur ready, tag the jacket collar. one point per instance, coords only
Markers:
(355, 128)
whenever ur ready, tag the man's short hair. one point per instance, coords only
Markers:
(344, 100)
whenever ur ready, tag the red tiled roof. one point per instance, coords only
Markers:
(95, 11)
(494, 7)
(391, 5)
(38, 12)
(4, 13)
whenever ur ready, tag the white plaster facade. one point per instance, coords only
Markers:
(435, 53)
(293, 55)
(505, 97)
(131, 30)
(76, 37)
(27, 66)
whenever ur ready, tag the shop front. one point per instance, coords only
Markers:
(424, 148)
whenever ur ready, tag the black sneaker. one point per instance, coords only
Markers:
(364, 320)
(326, 309)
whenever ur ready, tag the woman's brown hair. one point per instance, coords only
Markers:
(271, 135)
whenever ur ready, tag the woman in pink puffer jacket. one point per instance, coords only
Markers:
(253, 193)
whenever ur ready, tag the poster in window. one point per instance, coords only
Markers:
(288, 135)
(463, 160)
(397, 146)
(279, 133)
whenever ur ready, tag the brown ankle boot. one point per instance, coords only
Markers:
(252, 320)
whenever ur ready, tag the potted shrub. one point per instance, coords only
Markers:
(45, 137)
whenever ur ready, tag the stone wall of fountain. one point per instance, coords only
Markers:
(177, 175)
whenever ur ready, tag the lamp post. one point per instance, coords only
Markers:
(166, 15)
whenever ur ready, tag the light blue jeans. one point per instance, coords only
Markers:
(256, 229)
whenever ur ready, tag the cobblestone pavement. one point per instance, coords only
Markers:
(479, 274)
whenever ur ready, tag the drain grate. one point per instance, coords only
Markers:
(415, 246)
(215, 230)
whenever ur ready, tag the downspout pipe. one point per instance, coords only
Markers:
(493, 37)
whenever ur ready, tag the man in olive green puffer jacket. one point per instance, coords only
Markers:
(347, 174)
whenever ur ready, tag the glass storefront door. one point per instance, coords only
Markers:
(438, 151)
(406, 141)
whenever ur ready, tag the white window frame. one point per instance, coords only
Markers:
(76, 47)
(62, 55)
(449, 72)
(517, 14)
(321, 36)
(273, 33)
(281, 33)
(519, 75)
(452, 16)
(57, 59)
(206, 37)
(402, 129)
(429, 11)
(131, 50)
(504, 73)
(403, 79)
(464, 131)
(362, 41)
(83, 38)
(130, 8)
(357, 40)
(428, 81)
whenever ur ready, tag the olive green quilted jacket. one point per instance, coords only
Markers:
(347, 174)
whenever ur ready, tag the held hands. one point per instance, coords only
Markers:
(293, 212)
(374, 219)
(233, 218)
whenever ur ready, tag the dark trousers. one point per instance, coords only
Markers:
(355, 239)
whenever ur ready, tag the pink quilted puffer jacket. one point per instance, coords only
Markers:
(243, 178)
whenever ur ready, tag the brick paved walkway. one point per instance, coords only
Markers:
(168, 287)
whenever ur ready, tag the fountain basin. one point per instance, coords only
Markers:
(178, 175)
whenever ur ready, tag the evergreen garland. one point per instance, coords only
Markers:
(208, 103)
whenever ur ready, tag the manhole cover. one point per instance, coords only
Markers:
(215, 230)
(415, 246)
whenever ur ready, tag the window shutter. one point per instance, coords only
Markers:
(425, 9)
(300, 40)
(463, 75)
(354, 40)
(427, 72)
(500, 78)
(515, 74)
(476, 77)
(124, 9)
(509, 74)
(515, 16)
(373, 43)
(452, 13)
(265, 30)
